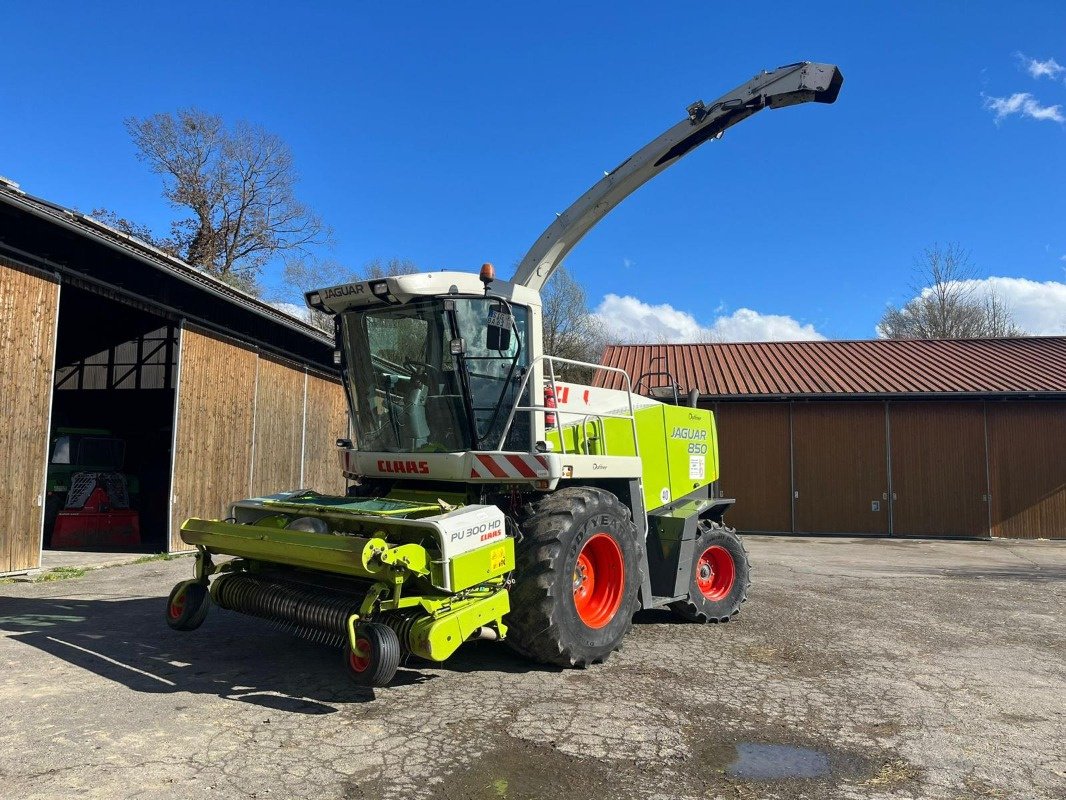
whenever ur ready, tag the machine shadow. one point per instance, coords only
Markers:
(231, 656)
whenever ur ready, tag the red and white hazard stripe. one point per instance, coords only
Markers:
(516, 465)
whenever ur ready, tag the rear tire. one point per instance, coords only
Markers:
(720, 576)
(187, 606)
(577, 575)
(379, 658)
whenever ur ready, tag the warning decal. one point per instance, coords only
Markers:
(696, 468)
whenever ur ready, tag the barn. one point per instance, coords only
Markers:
(950, 438)
(201, 393)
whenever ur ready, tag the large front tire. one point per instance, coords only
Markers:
(720, 576)
(577, 575)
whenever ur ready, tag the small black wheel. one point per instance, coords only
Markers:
(378, 658)
(720, 576)
(187, 605)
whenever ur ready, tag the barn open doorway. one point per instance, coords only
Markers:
(108, 481)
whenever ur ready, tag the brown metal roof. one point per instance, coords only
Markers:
(1028, 365)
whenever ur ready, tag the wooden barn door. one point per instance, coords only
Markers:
(1027, 461)
(840, 467)
(213, 431)
(753, 442)
(29, 308)
(939, 476)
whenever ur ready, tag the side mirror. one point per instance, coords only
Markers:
(345, 443)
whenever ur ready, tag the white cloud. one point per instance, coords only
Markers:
(1038, 308)
(629, 319)
(1025, 104)
(292, 309)
(627, 263)
(1041, 69)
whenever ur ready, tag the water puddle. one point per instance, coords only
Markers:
(760, 761)
(769, 762)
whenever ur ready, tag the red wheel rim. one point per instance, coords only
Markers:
(599, 577)
(177, 606)
(715, 572)
(360, 663)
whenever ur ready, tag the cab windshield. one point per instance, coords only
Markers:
(437, 375)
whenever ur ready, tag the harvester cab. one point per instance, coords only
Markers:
(489, 498)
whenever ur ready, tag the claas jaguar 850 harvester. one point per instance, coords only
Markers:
(488, 497)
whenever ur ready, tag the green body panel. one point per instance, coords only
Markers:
(437, 637)
(375, 506)
(477, 566)
(678, 447)
(342, 555)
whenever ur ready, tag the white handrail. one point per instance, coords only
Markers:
(551, 361)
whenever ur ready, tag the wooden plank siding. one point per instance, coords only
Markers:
(1027, 467)
(326, 421)
(840, 466)
(249, 425)
(279, 419)
(753, 441)
(215, 417)
(29, 306)
(939, 475)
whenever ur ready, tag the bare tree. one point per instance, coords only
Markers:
(237, 186)
(570, 329)
(130, 228)
(379, 268)
(947, 304)
(304, 275)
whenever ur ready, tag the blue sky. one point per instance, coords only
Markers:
(450, 134)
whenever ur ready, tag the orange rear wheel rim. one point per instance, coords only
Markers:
(715, 572)
(599, 579)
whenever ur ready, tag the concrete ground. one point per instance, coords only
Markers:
(858, 669)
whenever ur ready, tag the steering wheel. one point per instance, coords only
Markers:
(421, 369)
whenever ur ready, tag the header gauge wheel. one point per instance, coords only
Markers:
(720, 580)
(187, 605)
(377, 657)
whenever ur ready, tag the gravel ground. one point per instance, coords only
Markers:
(858, 669)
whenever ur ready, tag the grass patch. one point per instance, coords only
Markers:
(159, 557)
(892, 774)
(61, 574)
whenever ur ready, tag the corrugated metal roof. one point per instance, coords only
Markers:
(1027, 365)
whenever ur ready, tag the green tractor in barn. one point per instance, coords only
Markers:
(489, 499)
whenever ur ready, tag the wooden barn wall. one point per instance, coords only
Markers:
(939, 475)
(279, 419)
(840, 466)
(249, 425)
(327, 421)
(963, 469)
(753, 441)
(1027, 468)
(29, 306)
(213, 436)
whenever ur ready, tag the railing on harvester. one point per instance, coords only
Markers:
(596, 418)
